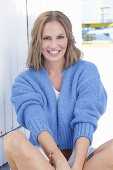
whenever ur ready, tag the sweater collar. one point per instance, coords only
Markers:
(47, 82)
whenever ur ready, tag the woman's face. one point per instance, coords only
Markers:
(54, 41)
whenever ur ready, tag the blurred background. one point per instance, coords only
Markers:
(97, 45)
(92, 22)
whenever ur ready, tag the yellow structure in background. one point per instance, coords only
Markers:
(90, 34)
(97, 25)
(97, 29)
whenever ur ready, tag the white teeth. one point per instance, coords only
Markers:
(53, 52)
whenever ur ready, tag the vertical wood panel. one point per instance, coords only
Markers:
(13, 53)
(2, 124)
(4, 157)
(1, 151)
(2, 65)
(21, 46)
(7, 94)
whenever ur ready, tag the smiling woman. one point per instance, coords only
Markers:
(61, 31)
(54, 42)
(59, 99)
(54, 46)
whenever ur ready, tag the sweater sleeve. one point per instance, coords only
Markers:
(29, 107)
(90, 104)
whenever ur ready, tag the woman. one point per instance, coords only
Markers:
(59, 99)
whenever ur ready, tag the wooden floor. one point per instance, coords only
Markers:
(5, 167)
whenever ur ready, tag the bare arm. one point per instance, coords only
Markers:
(48, 144)
(81, 149)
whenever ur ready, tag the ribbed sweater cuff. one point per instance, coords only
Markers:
(36, 127)
(36, 121)
(83, 130)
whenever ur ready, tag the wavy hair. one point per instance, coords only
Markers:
(35, 58)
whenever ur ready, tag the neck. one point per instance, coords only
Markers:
(54, 68)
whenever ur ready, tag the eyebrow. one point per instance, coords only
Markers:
(62, 34)
(57, 35)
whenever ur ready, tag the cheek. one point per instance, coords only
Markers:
(64, 44)
(44, 46)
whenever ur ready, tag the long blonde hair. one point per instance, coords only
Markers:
(35, 58)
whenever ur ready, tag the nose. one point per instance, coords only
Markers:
(53, 44)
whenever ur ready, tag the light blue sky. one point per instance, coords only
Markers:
(91, 10)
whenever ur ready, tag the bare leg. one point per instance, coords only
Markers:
(22, 155)
(101, 158)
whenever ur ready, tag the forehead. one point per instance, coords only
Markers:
(53, 27)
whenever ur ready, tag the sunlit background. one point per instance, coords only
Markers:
(92, 22)
(97, 21)
(97, 45)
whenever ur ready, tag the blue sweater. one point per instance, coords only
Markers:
(81, 102)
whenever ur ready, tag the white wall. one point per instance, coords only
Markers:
(13, 51)
(14, 47)
(102, 56)
(91, 11)
(72, 10)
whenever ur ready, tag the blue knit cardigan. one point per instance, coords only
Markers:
(81, 102)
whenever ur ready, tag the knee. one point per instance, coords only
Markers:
(110, 147)
(110, 153)
(12, 141)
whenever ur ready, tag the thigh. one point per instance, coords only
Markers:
(101, 158)
(24, 154)
(70, 161)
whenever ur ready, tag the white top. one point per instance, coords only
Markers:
(57, 93)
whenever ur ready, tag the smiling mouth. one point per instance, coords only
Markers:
(54, 52)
